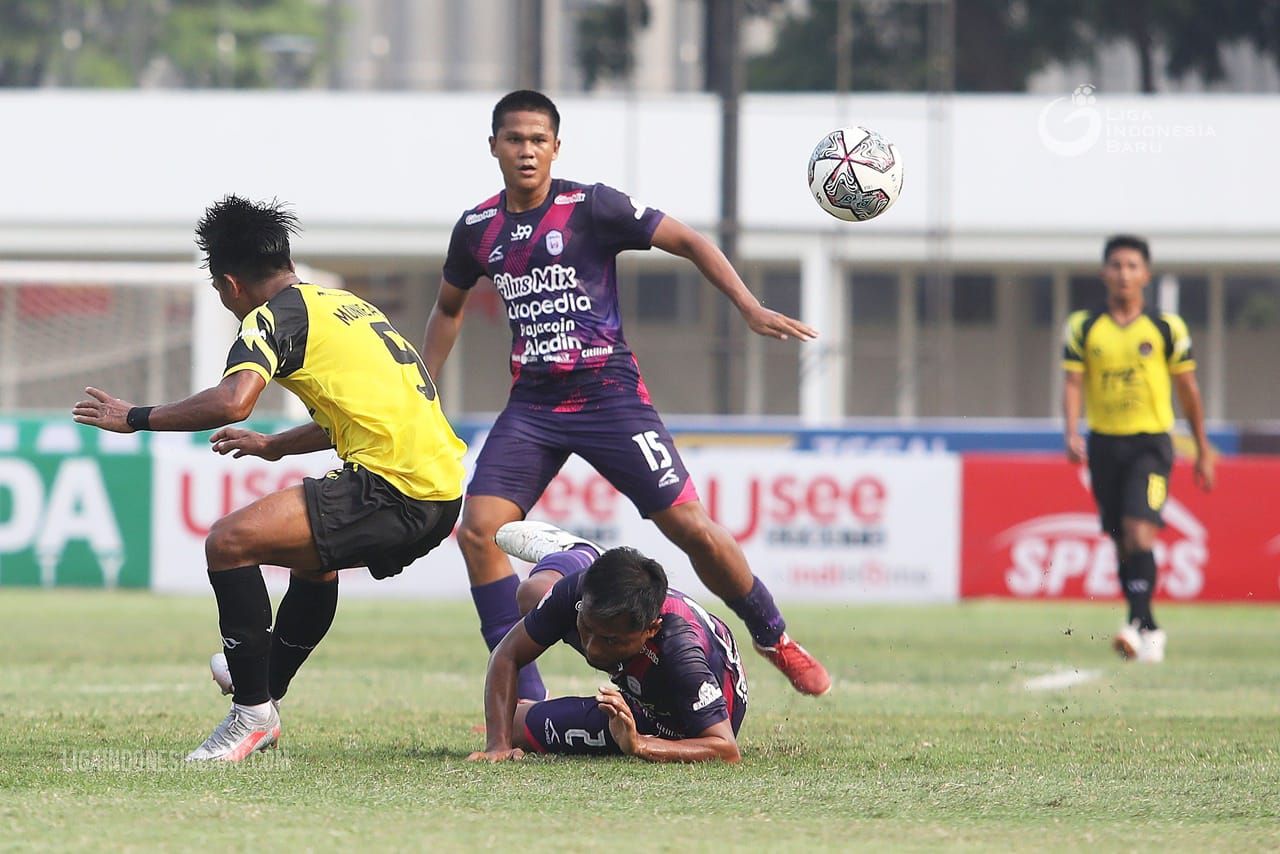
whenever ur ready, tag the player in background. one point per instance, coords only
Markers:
(1122, 360)
(396, 497)
(679, 692)
(550, 247)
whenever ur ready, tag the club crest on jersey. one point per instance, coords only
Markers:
(1145, 348)
(555, 242)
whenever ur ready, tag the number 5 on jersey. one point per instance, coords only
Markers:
(404, 354)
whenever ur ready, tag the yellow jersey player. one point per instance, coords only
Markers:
(396, 497)
(1124, 361)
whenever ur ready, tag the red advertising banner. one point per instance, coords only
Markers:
(1030, 531)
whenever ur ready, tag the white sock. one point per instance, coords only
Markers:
(257, 712)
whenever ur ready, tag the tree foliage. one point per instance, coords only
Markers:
(999, 44)
(606, 34)
(116, 43)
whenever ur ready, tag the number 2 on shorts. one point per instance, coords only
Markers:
(655, 453)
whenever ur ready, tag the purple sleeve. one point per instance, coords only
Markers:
(556, 615)
(695, 692)
(620, 222)
(461, 269)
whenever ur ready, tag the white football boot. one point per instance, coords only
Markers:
(222, 675)
(244, 730)
(532, 541)
(1127, 642)
(1152, 649)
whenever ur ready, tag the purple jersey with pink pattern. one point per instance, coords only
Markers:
(555, 268)
(689, 676)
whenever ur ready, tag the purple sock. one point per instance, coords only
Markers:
(570, 562)
(496, 605)
(762, 617)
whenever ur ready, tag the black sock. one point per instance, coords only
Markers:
(1122, 575)
(244, 617)
(1139, 587)
(303, 618)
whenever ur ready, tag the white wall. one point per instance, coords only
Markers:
(129, 172)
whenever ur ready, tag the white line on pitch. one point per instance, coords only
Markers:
(1060, 679)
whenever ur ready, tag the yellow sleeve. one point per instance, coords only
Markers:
(1181, 359)
(255, 347)
(1073, 342)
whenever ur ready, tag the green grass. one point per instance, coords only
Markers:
(928, 739)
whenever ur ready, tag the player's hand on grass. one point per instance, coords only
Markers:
(505, 755)
(772, 324)
(1076, 452)
(240, 442)
(622, 723)
(104, 411)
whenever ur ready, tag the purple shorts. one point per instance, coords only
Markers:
(628, 444)
(575, 726)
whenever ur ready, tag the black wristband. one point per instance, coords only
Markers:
(139, 417)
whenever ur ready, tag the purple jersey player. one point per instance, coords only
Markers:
(550, 245)
(678, 691)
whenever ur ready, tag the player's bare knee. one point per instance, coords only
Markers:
(222, 547)
(698, 536)
(518, 738)
(475, 539)
(533, 588)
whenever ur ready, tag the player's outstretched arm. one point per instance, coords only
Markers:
(229, 401)
(514, 651)
(1188, 391)
(679, 239)
(715, 742)
(442, 327)
(240, 442)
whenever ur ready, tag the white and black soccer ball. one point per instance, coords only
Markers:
(855, 174)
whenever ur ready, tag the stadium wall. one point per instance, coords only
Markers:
(916, 523)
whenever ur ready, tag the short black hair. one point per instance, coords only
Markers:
(1126, 241)
(528, 100)
(246, 239)
(623, 582)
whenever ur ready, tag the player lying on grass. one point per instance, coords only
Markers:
(679, 692)
(395, 499)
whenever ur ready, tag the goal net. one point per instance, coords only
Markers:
(147, 332)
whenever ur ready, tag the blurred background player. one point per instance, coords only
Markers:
(679, 692)
(550, 247)
(396, 497)
(1121, 360)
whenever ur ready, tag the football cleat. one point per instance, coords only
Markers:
(242, 732)
(806, 673)
(222, 675)
(532, 541)
(1152, 649)
(1127, 642)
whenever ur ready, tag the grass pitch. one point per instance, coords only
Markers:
(931, 738)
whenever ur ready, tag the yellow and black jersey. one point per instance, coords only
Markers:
(1128, 369)
(360, 380)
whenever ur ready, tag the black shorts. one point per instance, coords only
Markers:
(1130, 476)
(358, 519)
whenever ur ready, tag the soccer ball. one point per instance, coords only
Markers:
(855, 174)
